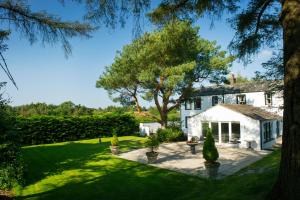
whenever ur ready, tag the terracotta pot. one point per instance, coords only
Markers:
(152, 156)
(212, 168)
(114, 150)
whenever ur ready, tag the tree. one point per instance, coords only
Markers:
(16, 15)
(166, 65)
(121, 77)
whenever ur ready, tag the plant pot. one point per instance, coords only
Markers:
(114, 150)
(212, 168)
(193, 147)
(152, 156)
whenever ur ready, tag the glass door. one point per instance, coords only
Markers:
(225, 132)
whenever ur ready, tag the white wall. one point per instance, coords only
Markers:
(256, 99)
(147, 128)
(250, 128)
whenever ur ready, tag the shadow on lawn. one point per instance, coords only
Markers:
(46, 160)
(127, 180)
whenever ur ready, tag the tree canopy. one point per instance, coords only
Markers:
(163, 66)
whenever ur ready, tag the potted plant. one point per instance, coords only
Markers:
(192, 143)
(153, 143)
(114, 144)
(211, 155)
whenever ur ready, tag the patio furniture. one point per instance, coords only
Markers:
(193, 143)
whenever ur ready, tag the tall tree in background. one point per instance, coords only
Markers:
(16, 16)
(165, 65)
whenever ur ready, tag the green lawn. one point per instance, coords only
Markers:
(86, 170)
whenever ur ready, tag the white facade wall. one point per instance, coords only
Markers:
(256, 99)
(249, 128)
(148, 128)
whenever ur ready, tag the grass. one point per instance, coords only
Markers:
(86, 170)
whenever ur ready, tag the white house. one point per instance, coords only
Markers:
(248, 114)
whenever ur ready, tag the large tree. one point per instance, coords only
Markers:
(165, 65)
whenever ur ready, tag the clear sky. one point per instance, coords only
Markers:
(43, 74)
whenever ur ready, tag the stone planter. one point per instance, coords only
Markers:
(212, 169)
(193, 147)
(152, 156)
(114, 150)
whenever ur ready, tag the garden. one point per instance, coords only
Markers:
(62, 164)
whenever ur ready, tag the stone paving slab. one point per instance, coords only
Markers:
(177, 157)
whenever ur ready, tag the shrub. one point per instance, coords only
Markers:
(11, 165)
(171, 134)
(152, 142)
(210, 152)
(51, 129)
(114, 140)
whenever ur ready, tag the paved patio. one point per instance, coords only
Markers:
(177, 157)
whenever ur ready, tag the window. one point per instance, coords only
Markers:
(277, 128)
(188, 105)
(241, 99)
(205, 127)
(235, 131)
(268, 99)
(267, 132)
(197, 104)
(186, 121)
(225, 132)
(215, 131)
(214, 100)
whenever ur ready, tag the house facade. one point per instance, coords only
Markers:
(257, 126)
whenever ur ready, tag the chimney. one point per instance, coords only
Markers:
(232, 79)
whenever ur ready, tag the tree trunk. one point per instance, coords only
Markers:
(137, 105)
(287, 186)
(164, 119)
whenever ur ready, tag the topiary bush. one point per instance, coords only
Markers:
(51, 129)
(170, 134)
(152, 142)
(115, 140)
(210, 151)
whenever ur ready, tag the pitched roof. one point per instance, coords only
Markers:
(252, 112)
(255, 86)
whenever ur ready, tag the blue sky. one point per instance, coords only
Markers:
(43, 74)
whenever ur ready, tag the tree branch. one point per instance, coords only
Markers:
(264, 7)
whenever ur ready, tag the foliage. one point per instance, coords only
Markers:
(153, 142)
(114, 140)
(210, 152)
(82, 166)
(273, 68)
(163, 66)
(170, 134)
(11, 166)
(50, 129)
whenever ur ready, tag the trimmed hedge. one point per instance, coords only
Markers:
(51, 129)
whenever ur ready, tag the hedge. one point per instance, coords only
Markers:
(51, 129)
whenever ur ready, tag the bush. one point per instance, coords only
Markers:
(51, 129)
(114, 140)
(11, 165)
(153, 142)
(171, 134)
(210, 152)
